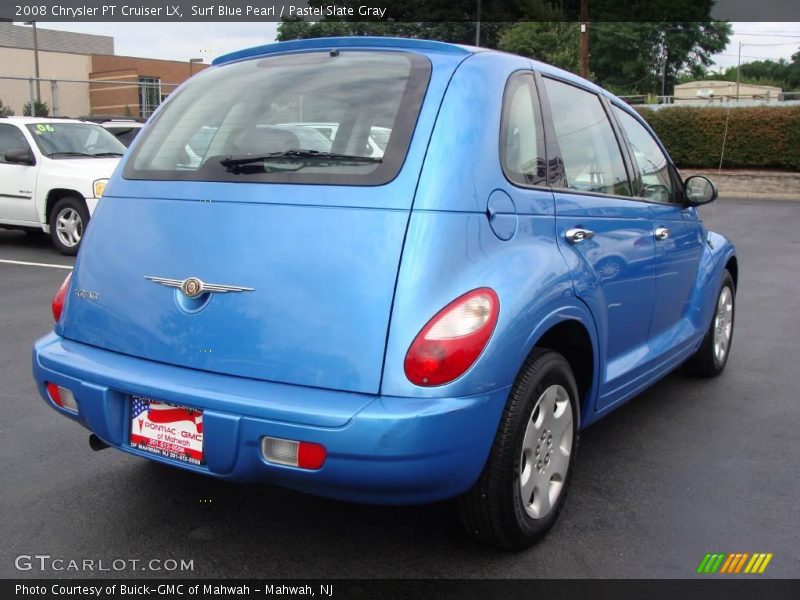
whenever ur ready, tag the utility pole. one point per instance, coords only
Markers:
(192, 63)
(664, 72)
(478, 25)
(36, 66)
(584, 38)
(738, 68)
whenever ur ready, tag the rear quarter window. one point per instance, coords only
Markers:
(589, 148)
(283, 118)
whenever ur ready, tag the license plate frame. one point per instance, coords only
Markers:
(171, 431)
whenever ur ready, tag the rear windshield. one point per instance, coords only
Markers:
(318, 117)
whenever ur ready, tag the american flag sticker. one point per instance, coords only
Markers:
(171, 431)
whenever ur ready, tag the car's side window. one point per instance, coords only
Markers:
(11, 138)
(657, 185)
(521, 134)
(589, 148)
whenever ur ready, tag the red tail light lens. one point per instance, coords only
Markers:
(305, 455)
(62, 396)
(60, 297)
(55, 396)
(452, 340)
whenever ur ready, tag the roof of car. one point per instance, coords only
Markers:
(330, 43)
(347, 42)
(105, 118)
(26, 120)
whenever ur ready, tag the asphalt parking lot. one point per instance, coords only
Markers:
(691, 466)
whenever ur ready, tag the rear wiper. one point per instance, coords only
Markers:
(305, 157)
(52, 154)
(105, 154)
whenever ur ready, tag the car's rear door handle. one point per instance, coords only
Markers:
(662, 233)
(576, 235)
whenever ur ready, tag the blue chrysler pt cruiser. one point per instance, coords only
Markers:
(387, 271)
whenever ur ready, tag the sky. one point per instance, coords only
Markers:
(182, 41)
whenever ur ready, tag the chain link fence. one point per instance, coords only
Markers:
(781, 99)
(28, 96)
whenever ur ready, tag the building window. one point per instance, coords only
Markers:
(149, 95)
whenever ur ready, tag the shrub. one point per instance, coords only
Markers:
(42, 110)
(5, 111)
(758, 137)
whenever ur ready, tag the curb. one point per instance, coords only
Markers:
(759, 196)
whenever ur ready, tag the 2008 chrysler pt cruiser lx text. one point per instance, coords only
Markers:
(388, 271)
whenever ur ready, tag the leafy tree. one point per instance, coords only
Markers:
(638, 57)
(626, 57)
(5, 111)
(552, 42)
(780, 73)
(794, 71)
(42, 109)
(446, 20)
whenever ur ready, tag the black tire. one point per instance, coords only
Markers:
(68, 203)
(705, 362)
(493, 510)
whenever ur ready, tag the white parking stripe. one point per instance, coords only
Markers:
(34, 264)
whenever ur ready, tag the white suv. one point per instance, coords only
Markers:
(52, 173)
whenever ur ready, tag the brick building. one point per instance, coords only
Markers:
(80, 74)
(127, 85)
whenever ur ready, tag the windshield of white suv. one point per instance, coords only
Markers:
(75, 140)
(317, 117)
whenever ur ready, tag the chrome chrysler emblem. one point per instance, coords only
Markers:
(194, 286)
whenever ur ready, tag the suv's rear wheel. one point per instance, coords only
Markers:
(68, 221)
(521, 490)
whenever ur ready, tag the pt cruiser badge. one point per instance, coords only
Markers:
(193, 287)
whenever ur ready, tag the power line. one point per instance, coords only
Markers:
(797, 43)
(747, 56)
(769, 34)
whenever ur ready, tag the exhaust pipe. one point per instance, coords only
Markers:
(96, 444)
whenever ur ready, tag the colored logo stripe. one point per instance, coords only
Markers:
(734, 563)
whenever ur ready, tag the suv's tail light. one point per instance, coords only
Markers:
(452, 340)
(58, 299)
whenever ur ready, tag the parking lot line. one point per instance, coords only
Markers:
(34, 264)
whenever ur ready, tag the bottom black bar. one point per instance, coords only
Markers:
(417, 589)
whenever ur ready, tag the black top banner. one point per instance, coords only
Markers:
(428, 11)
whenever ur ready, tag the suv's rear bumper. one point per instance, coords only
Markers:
(380, 449)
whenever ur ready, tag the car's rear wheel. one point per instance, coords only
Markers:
(67, 224)
(712, 356)
(521, 490)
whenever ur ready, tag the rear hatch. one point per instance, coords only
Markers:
(215, 190)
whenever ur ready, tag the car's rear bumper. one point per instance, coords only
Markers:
(380, 449)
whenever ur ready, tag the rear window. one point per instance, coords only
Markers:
(319, 117)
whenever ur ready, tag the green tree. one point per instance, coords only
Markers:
(635, 58)
(627, 57)
(780, 73)
(551, 42)
(794, 71)
(447, 20)
(42, 109)
(5, 111)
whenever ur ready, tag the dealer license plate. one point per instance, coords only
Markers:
(171, 431)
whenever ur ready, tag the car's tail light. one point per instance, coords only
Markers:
(453, 339)
(305, 455)
(60, 297)
(62, 396)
